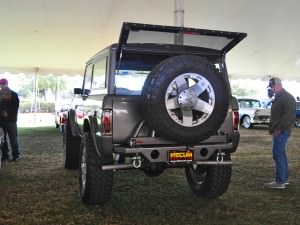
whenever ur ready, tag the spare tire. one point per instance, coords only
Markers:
(185, 99)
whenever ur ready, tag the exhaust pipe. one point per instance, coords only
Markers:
(117, 166)
(136, 163)
(213, 163)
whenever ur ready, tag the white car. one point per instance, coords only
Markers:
(252, 113)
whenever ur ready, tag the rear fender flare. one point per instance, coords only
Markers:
(91, 125)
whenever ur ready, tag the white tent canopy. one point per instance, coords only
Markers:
(59, 36)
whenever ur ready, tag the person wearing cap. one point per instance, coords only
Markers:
(9, 106)
(4, 141)
(282, 118)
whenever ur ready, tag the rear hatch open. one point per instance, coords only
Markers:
(222, 41)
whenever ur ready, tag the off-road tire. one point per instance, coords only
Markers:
(209, 181)
(71, 146)
(211, 90)
(95, 184)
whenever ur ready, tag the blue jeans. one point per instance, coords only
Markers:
(279, 156)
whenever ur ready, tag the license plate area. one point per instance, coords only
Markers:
(175, 156)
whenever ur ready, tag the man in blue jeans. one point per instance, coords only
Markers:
(9, 106)
(283, 114)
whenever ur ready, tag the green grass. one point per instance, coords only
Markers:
(38, 190)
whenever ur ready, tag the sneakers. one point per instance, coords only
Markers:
(4, 159)
(15, 159)
(276, 185)
(286, 183)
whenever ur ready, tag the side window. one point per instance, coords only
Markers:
(242, 104)
(88, 77)
(99, 77)
(255, 104)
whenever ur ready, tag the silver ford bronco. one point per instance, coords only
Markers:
(160, 98)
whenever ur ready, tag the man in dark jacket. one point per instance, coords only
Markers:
(9, 106)
(283, 114)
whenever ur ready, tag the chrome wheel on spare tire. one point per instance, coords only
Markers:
(183, 103)
(185, 99)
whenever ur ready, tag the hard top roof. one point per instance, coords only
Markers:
(222, 41)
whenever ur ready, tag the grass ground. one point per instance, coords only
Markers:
(38, 190)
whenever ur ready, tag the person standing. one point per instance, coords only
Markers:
(9, 106)
(282, 118)
(4, 144)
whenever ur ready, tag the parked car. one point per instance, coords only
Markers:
(252, 112)
(297, 121)
(60, 116)
(266, 103)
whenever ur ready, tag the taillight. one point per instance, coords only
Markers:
(106, 122)
(236, 120)
(64, 119)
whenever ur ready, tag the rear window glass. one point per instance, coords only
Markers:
(188, 39)
(130, 82)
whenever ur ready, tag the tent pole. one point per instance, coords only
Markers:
(36, 70)
(179, 13)
(178, 20)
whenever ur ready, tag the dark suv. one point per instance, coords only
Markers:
(158, 99)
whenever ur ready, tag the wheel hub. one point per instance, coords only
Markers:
(187, 99)
(190, 99)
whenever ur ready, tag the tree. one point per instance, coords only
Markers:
(46, 84)
(49, 84)
(239, 91)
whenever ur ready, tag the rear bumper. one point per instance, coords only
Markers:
(156, 150)
(256, 121)
(261, 119)
(160, 154)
